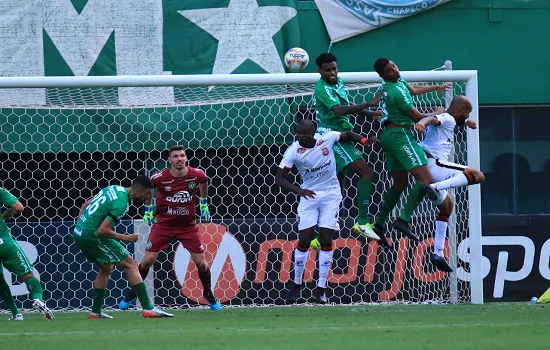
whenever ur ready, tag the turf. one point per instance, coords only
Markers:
(490, 326)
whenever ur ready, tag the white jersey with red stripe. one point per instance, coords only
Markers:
(316, 165)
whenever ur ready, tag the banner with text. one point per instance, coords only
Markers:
(347, 18)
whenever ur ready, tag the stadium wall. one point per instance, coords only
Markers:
(503, 40)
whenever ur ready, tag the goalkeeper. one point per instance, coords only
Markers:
(175, 219)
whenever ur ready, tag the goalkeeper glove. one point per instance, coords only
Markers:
(148, 216)
(205, 212)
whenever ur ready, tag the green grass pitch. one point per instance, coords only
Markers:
(493, 326)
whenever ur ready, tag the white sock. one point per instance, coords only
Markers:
(456, 181)
(440, 233)
(300, 259)
(325, 259)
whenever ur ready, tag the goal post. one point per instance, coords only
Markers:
(67, 137)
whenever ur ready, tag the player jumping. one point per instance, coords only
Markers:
(401, 152)
(96, 239)
(175, 219)
(333, 114)
(320, 197)
(15, 261)
(437, 144)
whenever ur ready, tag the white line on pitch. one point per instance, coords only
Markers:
(285, 329)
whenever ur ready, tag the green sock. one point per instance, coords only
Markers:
(413, 200)
(364, 192)
(141, 293)
(34, 287)
(390, 200)
(5, 293)
(99, 297)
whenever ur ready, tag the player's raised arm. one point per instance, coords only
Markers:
(421, 125)
(423, 89)
(341, 110)
(352, 136)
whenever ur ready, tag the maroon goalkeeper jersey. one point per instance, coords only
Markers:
(176, 197)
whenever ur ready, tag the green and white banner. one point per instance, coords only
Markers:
(132, 37)
(347, 18)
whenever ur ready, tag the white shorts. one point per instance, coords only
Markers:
(441, 171)
(320, 211)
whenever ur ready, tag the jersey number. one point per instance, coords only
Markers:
(100, 199)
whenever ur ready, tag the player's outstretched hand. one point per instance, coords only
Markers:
(419, 127)
(205, 212)
(131, 238)
(372, 140)
(471, 124)
(306, 193)
(444, 87)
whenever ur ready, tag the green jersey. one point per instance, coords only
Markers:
(396, 102)
(327, 96)
(110, 203)
(8, 200)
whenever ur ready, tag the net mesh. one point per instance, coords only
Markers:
(63, 145)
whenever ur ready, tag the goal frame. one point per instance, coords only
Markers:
(469, 77)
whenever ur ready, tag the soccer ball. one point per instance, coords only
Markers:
(296, 59)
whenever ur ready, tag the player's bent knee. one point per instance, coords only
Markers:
(128, 263)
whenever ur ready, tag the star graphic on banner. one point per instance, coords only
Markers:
(244, 31)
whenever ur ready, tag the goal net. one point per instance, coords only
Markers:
(64, 138)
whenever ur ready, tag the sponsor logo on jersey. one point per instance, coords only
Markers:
(167, 182)
(178, 211)
(320, 142)
(112, 193)
(179, 197)
(327, 164)
(168, 188)
(325, 151)
(301, 150)
(190, 179)
(192, 185)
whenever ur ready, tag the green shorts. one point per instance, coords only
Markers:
(401, 150)
(101, 250)
(13, 258)
(345, 152)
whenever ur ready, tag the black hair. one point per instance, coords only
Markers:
(307, 123)
(380, 64)
(175, 148)
(142, 181)
(326, 57)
